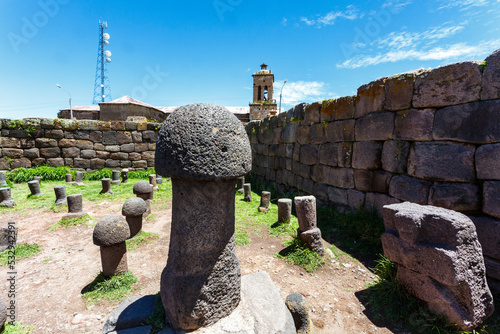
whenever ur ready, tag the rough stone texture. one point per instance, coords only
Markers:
(375, 201)
(399, 91)
(312, 238)
(491, 77)
(370, 98)
(110, 230)
(395, 156)
(448, 85)
(35, 188)
(79, 178)
(475, 122)
(8, 237)
(340, 131)
(142, 187)
(309, 154)
(131, 313)
(3, 313)
(414, 124)
(239, 184)
(463, 197)
(152, 181)
(115, 177)
(5, 198)
(284, 210)
(439, 260)
(208, 139)
(487, 162)
(75, 206)
(299, 308)
(265, 199)
(201, 282)
(491, 193)
(305, 206)
(3, 177)
(328, 154)
(488, 234)
(133, 209)
(337, 195)
(106, 186)
(367, 155)
(247, 189)
(337, 177)
(410, 189)
(442, 161)
(60, 192)
(375, 126)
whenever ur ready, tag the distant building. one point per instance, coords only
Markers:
(263, 103)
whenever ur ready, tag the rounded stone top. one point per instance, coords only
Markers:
(134, 207)
(142, 187)
(203, 142)
(111, 230)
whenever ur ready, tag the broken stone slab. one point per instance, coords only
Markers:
(8, 236)
(265, 199)
(312, 238)
(110, 233)
(439, 260)
(247, 189)
(75, 205)
(203, 148)
(5, 198)
(260, 311)
(299, 308)
(60, 192)
(284, 210)
(133, 209)
(34, 188)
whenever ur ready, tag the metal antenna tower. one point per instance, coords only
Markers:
(102, 90)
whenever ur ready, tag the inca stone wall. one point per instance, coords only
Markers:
(428, 137)
(84, 144)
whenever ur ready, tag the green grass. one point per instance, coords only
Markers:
(22, 250)
(47, 260)
(141, 238)
(113, 288)
(47, 173)
(296, 252)
(157, 319)
(69, 222)
(17, 328)
(391, 303)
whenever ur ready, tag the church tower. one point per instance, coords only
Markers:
(263, 103)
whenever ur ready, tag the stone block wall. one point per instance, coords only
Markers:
(86, 144)
(428, 137)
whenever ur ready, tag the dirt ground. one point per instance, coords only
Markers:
(49, 284)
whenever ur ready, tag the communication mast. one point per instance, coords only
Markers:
(102, 90)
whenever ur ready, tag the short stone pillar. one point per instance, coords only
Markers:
(124, 175)
(439, 259)
(284, 210)
(5, 199)
(79, 178)
(75, 205)
(115, 177)
(8, 236)
(144, 190)
(152, 181)
(203, 148)
(308, 231)
(60, 192)
(3, 314)
(110, 233)
(35, 188)
(159, 179)
(133, 209)
(3, 180)
(265, 199)
(106, 186)
(239, 184)
(37, 178)
(247, 189)
(69, 178)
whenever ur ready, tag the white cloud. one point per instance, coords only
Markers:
(284, 22)
(463, 4)
(350, 13)
(396, 5)
(301, 91)
(436, 53)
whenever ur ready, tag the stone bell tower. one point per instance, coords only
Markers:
(263, 103)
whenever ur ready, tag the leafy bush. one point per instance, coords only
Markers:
(98, 174)
(47, 173)
(141, 174)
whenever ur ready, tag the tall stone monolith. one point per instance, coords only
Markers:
(204, 149)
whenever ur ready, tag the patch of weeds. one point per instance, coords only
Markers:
(241, 235)
(157, 319)
(151, 218)
(46, 260)
(287, 228)
(48, 173)
(390, 302)
(141, 174)
(98, 174)
(69, 222)
(17, 328)
(57, 208)
(296, 252)
(113, 288)
(21, 251)
(482, 66)
(140, 239)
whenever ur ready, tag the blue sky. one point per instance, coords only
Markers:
(171, 53)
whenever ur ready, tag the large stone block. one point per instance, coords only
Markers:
(55, 134)
(375, 126)
(303, 135)
(12, 152)
(337, 195)
(355, 199)
(370, 98)
(488, 162)
(32, 153)
(491, 198)
(475, 122)
(410, 189)
(81, 163)
(399, 91)
(136, 136)
(309, 154)
(367, 155)
(21, 162)
(340, 131)
(125, 137)
(439, 260)
(70, 152)
(67, 142)
(109, 137)
(97, 163)
(376, 201)
(55, 162)
(84, 144)
(328, 154)
(289, 133)
(491, 77)
(88, 154)
(345, 107)
(311, 114)
(463, 197)
(448, 85)
(127, 148)
(6, 142)
(345, 154)
(301, 169)
(45, 142)
(488, 234)
(85, 135)
(318, 134)
(50, 152)
(414, 124)
(395, 156)
(110, 163)
(442, 161)
(337, 177)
